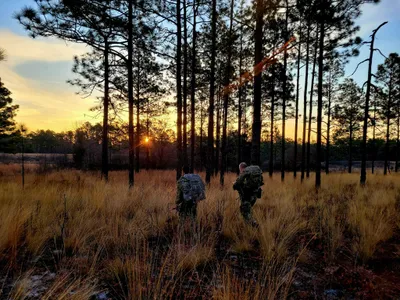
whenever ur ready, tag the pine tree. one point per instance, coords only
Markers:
(348, 115)
(388, 77)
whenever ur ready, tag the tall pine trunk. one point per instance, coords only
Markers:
(179, 89)
(328, 129)
(388, 113)
(256, 132)
(296, 125)
(147, 145)
(240, 95)
(311, 105)
(284, 97)
(385, 171)
(201, 136)
(210, 137)
(374, 141)
(193, 91)
(104, 153)
(226, 100)
(303, 147)
(350, 147)
(271, 147)
(185, 90)
(396, 168)
(319, 106)
(130, 95)
(363, 177)
(138, 129)
(218, 134)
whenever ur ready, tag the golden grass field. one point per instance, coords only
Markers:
(69, 235)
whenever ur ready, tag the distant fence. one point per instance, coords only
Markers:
(36, 158)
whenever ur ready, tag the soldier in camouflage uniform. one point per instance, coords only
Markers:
(185, 208)
(248, 197)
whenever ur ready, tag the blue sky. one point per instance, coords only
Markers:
(36, 70)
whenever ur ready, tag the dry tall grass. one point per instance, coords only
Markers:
(131, 244)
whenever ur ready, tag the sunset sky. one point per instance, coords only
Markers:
(36, 70)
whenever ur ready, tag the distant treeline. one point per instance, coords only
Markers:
(159, 152)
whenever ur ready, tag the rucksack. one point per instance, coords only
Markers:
(192, 187)
(252, 178)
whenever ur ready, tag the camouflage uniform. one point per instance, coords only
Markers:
(184, 208)
(247, 198)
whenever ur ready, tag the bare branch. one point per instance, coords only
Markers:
(358, 66)
(380, 52)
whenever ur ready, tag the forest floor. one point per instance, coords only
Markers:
(69, 235)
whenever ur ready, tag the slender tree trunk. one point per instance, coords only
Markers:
(350, 148)
(271, 150)
(388, 113)
(284, 97)
(179, 88)
(385, 171)
(130, 94)
(104, 164)
(210, 144)
(239, 147)
(148, 145)
(397, 140)
(328, 129)
(303, 147)
(256, 132)
(201, 136)
(363, 177)
(218, 133)
(23, 162)
(374, 141)
(138, 129)
(193, 91)
(296, 125)
(226, 100)
(185, 89)
(319, 115)
(311, 105)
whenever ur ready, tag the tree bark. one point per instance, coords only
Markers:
(138, 129)
(297, 107)
(240, 94)
(130, 95)
(311, 104)
(226, 100)
(210, 144)
(271, 150)
(328, 129)
(303, 147)
(256, 132)
(319, 108)
(363, 177)
(104, 164)
(350, 147)
(193, 91)
(185, 90)
(179, 89)
(218, 133)
(397, 140)
(148, 144)
(374, 141)
(284, 86)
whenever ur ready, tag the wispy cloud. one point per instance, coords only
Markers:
(43, 104)
(23, 48)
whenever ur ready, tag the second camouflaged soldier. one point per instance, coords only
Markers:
(248, 185)
(190, 190)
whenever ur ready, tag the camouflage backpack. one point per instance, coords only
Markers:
(252, 178)
(192, 187)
